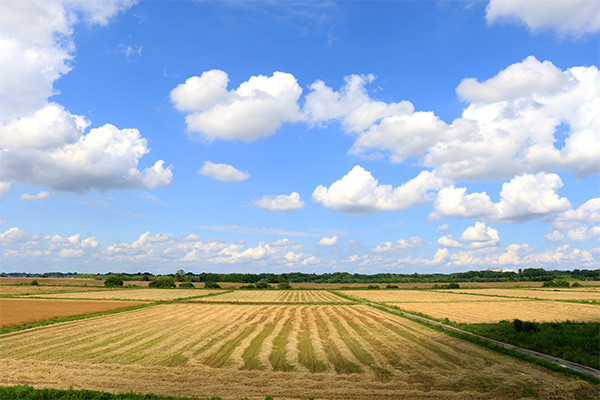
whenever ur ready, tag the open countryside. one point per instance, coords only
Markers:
(289, 344)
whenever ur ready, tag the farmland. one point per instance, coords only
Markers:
(286, 351)
(494, 311)
(8, 290)
(569, 294)
(276, 296)
(416, 296)
(135, 294)
(26, 311)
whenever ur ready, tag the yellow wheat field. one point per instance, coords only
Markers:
(417, 296)
(276, 296)
(584, 294)
(286, 351)
(134, 294)
(494, 311)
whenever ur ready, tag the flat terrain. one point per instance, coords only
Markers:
(29, 289)
(286, 351)
(136, 294)
(495, 311)
(26, 311)
(551, 294)
(417, 296)
(277, 296)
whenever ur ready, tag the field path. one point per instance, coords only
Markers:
(555, 360)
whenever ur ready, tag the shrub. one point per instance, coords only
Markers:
(35, 283)
(556, 283)
(283, 285)
(263, 285)
(373, 287)
(249, 286)
(576, 284)
(163, 282)
(113, 281)
(211, 285)
(518, 325)
(453, 285)
(186, 285)
(392, 287)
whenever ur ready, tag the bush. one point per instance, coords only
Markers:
(34, 283)
(163, 282)
(249, 286)
(263, 285)
(283, 285)
(113, 281)
(556, 283)
(392, 287)
(186, 285)
(574, 284)
(211, 285)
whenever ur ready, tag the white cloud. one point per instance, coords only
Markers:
(129, 50)
(402, 244)
(5, 189)
(555, 236)
(105, 158)
(474, 237)
(42, 143)
(328, 241)
(515, 121)
(280, 203)
(223, 172)
(35, 197)
(442, 229)
(358, 192)
(523, 198)
(574, 17)
(252, 111)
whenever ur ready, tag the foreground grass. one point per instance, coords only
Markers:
(574, 341)
(29, 393)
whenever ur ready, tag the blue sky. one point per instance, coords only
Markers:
(267, 136)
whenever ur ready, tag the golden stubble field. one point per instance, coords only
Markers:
(568, 294)
(276, 296)
(286, 351)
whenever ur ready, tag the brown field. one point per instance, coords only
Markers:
(27, 311)
(135, 294)
(579, 294)
(277, 296)
(52, 281)
(417, 296)
(494, 311)
(286, 351)
(28, 289)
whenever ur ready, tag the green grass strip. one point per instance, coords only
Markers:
(220, 357)
(348, 297)
(277, 356)
(15, 328)
(22, 392)
(250, 353)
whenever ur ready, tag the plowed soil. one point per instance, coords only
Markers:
(27, 311)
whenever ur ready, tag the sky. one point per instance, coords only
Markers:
(272, 136)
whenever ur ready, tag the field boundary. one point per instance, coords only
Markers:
(582, 369)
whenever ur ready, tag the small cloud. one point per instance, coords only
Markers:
(442, 229)
(43, 195)
(223, 172)
(328, 241)
(131, 50)
(280, 203)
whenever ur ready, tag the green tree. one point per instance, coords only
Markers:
(163, 282)
(113, 281)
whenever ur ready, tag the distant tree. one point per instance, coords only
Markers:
(186, 285)
(262, 285)
(271, 278)
(34, 283)
(113, 281)
(284, 285)
(211, 285)
(163, 282)
(180, 276)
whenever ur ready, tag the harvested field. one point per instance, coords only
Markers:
(136, 294)
(286, 351)
(495, 311)
(573, 294)
(52, 281)
(28, 289)
(417, 296)
(27, 311)
(277, 296)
